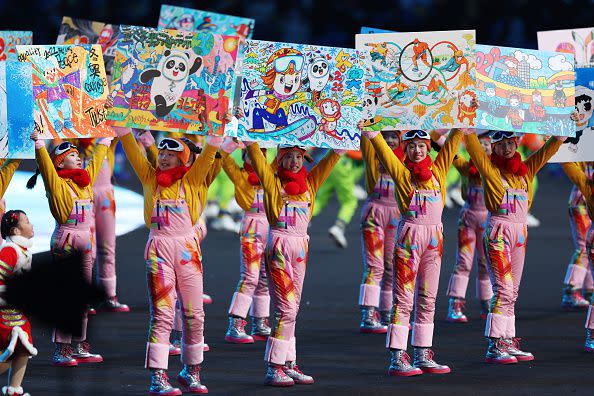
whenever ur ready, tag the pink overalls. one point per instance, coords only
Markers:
(380, 216)
(471, 228)
(417, 263)
(505, 241)
(252, 288)
(174, 262)
(76, 235)
(105, 223)
(578, 272)
(286, 261)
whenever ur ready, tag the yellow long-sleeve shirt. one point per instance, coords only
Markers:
(271, 183)
(371, 162)
(87, 152)
(577, 174)
(402, 176)
(194, 181)
(58, 190)
(491, 176)
(7, 169)
(244, 191)
(152, 154)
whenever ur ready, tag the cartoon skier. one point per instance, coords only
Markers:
(420, 49)
(282, 80)
(57, 99)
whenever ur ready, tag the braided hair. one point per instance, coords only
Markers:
(9, 221)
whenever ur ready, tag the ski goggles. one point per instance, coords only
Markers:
(282, 64)
(64, 147)
(416, 133)
(498, 136)
(170, 144)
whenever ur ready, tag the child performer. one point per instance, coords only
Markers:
(288, 201)
(16, 344)
(172, 207)
(70, 197)
(252, 288)
(105, 207)
(507, 184)
(379, 221)
(471, 227)
(7, 169)
(578, 274)
(583, 181)
(420, 191)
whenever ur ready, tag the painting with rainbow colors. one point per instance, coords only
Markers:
(301, 94)
(174, 81)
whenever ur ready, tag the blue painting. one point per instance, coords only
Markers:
(190, 20)
(370, 30)
(16, 110)
(9, 39)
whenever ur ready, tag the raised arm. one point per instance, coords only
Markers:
(262, 167)
(540, 157)
(320, 172)
(461, 164)
(448, 151)
(97, 161)
(391, 163)
(201, 167)
(577, 175)
(8, 167)
(232, 169)
(479, 157)
(141, 165)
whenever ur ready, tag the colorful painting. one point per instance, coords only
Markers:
(16, 110)
(525, 90)
(421, 80)
(578, 42)
(173, 81)
(69, 88)
(301, 94)
(190, 20)
(370, 30)
(81, 31)
(579, 148)
(9, 39)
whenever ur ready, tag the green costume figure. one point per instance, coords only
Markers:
(342, 180)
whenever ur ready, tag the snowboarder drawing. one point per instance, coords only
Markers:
(283, 81)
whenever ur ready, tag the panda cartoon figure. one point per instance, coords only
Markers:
(318, 76)
(169, 79)
(370, 109)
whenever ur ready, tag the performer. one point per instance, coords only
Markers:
(16, 343)
(471, 227)
(578, 276)
(70, 197)
(172, 207)
(420, 191)
(7, 169)
(252, 289)
(578, 174)
(379, 221)
(507, 183)
(288, 195)
(105, 207)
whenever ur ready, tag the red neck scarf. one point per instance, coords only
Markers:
(166, 178)
(399, 153)
(421, 171)
(472, 171)
(252, 177)
(513, 165)
(79, 176)
(294, 183)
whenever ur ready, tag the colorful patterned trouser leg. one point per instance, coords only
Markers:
(66, 240)
(174, 264)
(106, 239)
(417, 263)
(590, 250)
(578, 274)
(286, 261)
(252, 288)
(506, 250)
(471, 227)
(378, 232)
